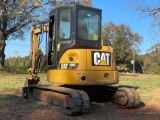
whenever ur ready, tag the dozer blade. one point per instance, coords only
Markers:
(68, 101)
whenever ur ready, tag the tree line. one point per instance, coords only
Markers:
(122, 39)
(18, 65)
(17, 15)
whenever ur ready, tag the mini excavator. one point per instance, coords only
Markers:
(81, 69)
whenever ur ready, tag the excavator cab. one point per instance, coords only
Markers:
(75, 53)
(72, 27)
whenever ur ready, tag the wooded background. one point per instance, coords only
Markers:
(16, 15)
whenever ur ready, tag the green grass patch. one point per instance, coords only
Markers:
(15, 82)
(146, 83)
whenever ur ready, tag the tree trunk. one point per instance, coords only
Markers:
(2, 48)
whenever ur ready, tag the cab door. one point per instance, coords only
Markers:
(52, 53)
(60, 35)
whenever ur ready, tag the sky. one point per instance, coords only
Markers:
(112, 10)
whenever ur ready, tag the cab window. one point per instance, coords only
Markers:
(64, 24)
(88, 25)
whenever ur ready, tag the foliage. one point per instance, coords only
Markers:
(17, 65)
(21, 65)
(154, 48)
(152, 63)
(138, 64)
(43, 60)
(122, 39)
(86, 2)
(16, 15)
(70, 2)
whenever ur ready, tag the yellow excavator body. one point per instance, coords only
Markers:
(80, 68)
(75, 68)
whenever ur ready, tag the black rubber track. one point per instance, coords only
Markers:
(80, 99)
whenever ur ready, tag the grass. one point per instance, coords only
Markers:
(16, 81)
(11, 102)
(147, 84)
(13, 106)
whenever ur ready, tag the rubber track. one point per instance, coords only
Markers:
(133, 97)
(81, 101)
(130, 97)
(137, 98)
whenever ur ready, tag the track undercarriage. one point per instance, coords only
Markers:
(68, 101)
(73, 100)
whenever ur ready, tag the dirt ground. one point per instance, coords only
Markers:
(14, 107)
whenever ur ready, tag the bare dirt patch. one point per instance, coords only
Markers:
(152, 99)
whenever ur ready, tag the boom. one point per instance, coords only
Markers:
(36, 57)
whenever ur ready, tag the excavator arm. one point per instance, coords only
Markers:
(36, 56)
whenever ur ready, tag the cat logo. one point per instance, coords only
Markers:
(64, 66)
(101, 58)
(68, 65)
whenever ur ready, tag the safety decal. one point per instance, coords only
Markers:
(58, 47)
(100, 58)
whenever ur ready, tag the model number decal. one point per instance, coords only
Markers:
(100, 58)
(68, 65)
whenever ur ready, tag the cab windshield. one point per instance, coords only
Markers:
(88, 25)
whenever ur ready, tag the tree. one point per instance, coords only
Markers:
(16, 15)
(151, 9)
(122, 39)
(86, 2)
(151, 63)
(147, 7)
(154, 48)
(82, 2)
